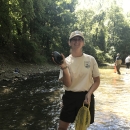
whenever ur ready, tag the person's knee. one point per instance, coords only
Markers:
(63, 125)
(61, 128)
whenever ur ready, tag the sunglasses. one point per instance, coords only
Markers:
(77, 39)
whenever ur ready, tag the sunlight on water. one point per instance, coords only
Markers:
(35, 104)
(112, 101)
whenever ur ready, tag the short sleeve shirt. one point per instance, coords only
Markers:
(82, 70)
(127, 60)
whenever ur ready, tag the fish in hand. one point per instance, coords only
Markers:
(58, 59)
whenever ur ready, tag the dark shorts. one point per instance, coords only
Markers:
(127, 65)
(72, 102)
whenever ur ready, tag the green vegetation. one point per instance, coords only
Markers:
(30, 29)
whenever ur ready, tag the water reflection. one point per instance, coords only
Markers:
(34, 104)
(112, 101)
(30, 105)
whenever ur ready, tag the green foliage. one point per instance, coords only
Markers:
(101, 43)
(39, 59)
(24, 49)
(102, 56)
(31, 29)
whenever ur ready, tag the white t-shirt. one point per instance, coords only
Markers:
(82, 70)
(127, 60)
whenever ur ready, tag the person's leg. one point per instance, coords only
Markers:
(92, 109)
(117, 68)
(63, 125)
(67, 114)
(126, 68)
(128, 65)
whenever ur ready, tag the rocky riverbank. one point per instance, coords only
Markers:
(23, 71)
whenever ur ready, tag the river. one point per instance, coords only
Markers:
(113, 101)
(34, 104)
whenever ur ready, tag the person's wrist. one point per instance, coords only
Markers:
(65, 67)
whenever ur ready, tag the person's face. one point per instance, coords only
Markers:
(77, 42)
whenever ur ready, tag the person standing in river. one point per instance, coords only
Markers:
(80, 76)
(118, 62)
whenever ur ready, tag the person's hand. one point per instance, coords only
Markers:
(57, 58)
(87, 99)
(54, 60)
(64, 62)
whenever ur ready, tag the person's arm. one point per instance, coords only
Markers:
(66, 79)
(92, 89)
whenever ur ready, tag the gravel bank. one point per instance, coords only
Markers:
(22, 71)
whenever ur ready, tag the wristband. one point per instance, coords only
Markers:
(64, 67)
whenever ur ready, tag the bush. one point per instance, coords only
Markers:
(24, 49)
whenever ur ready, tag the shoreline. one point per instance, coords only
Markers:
(8, 71)
(23, 71)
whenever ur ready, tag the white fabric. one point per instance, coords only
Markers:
(127, 60)
(82, 69)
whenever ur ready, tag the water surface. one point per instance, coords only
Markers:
(113, 101)
(34, 104)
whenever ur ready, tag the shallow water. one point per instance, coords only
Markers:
(34, 104)
(112, 101)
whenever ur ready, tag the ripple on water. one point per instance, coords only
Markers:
(35, 103)
(112, 102)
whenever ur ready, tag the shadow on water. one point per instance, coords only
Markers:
(34, 104)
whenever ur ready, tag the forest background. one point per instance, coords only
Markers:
(30, 30)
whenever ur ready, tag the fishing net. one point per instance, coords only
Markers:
(83, 118)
